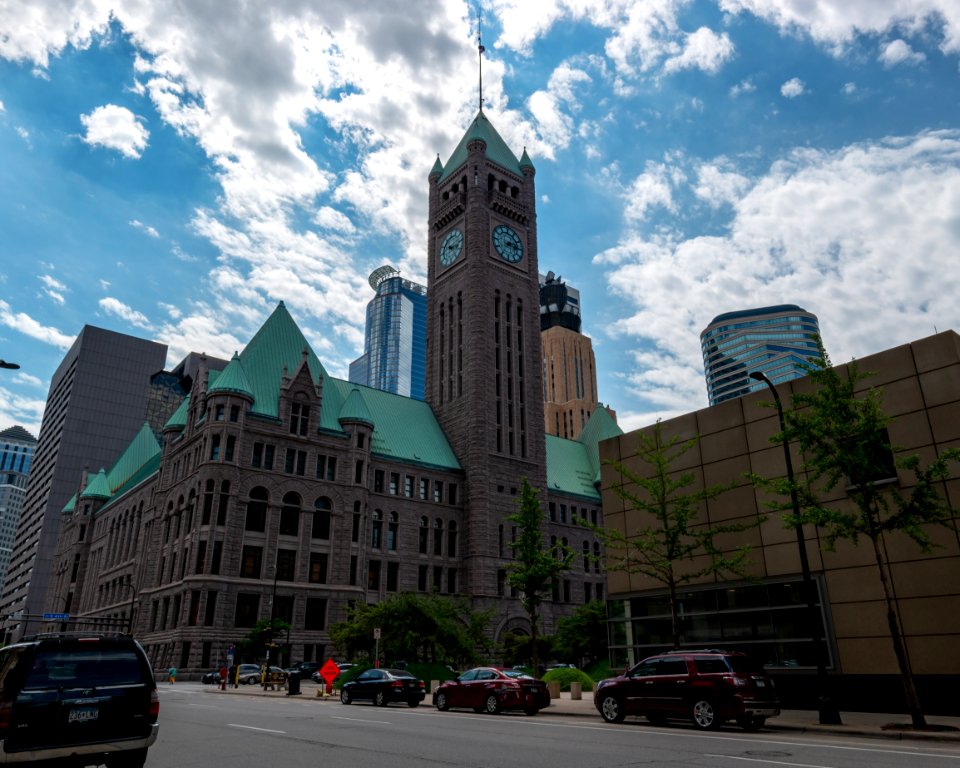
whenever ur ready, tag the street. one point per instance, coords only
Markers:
(200, 727)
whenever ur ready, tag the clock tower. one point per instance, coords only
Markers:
(484, 378)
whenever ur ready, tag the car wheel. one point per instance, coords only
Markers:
(611, 709)
(491, 704)
(441, 702)
(134, 758)
(704, 715)
(380, 699)
(253, 679)
(345, 696)
(413, 703)
(751, 722)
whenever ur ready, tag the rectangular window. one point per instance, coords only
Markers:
(326, 467)
(210, 613)
(234, 413)
(424, 488)
(437, 578)
(394, 483)
(299, 418)
(355, 533)
(215, 561)
(452, 581)
(256, 461)
(231, 447)
(373, 576)
(289, 521)
(318, 567)
(286, 564)
(358, 474)
(393, 576)
(438, 491)
(378, 480)
(315, 618)
(452, 493)
(353, 570)
(201, 556)
(422, 578)
(215, 448)
(207, 508)
(222, 507)
(408, 486)
(248, 610)
(552, 511)
(321, 524)
(501, 582)
(218, 413)
(587, 591)
(268, 452)
(194, 613)
(283, 608)
(251, 561)
(331, 468)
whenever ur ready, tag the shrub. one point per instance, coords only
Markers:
(567, 675)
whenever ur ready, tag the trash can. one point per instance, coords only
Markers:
(293, 684)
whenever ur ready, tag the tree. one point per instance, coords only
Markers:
(583, 634)
(675, 545)
(842, 435)
(259, 640)
(535, 567)
(414, 628)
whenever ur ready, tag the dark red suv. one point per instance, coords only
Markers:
(705, 686)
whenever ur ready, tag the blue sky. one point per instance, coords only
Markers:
(173, 171)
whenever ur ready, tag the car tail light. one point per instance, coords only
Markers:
(154, 706)
(422, 685)
(737, 682)
(396, 684)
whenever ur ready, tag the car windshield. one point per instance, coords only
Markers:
(83, 668)
(517, 675)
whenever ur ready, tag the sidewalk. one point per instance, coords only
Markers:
(878, 725)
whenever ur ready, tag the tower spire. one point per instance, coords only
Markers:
(480, 50)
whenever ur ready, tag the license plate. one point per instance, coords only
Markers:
(534, 690)
(761, 684)
(83, 715)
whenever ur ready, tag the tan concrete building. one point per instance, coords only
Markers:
(766, 616)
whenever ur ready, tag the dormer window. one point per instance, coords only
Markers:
(299, 418)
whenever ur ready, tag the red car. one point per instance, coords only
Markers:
(492, 689)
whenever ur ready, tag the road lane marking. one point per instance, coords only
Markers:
(767, 761)
(361, 720)
(254, 728)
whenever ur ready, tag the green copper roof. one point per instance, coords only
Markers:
(179, 417)
(71, 505)
(148, 469)
(497, 149)
(232, 379)
(278, 345)
(599, 427)
(525, 161)
(355, 408)
(403, 428)
(569, 469)
(142, 448)
(97, 488)
(437, 167)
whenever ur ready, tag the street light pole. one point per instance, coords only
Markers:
(828, 712)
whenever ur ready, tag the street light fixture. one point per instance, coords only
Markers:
(9, 366)
(829, 714)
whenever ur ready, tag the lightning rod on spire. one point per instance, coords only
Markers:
(480, 50)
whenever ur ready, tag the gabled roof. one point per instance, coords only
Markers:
(143, 451)
(231, 379)
(179, 417)
(355, 408)
(573, 466)
(497, 149)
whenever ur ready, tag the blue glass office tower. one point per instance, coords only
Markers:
(775, 340)
(394, 355)
(16, 449)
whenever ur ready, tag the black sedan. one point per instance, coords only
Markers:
(211, 677)
(383, 686)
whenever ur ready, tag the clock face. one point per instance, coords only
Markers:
(451, 247)
(508, 243)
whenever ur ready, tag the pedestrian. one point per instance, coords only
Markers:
(172, 675)
(223, 677)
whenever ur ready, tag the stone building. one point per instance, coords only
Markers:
(282, 491)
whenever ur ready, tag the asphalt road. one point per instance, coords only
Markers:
(201, 729)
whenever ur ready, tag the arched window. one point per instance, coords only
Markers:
(290, 515)
(376, 530)
(424, 536)
(452, 539)
(257, 510)
(393, 531)
(321, 518)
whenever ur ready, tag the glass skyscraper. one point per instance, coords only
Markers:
(16, 449)
(394, 355)
(774, 340)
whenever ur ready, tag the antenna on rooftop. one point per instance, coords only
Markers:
(480, 50)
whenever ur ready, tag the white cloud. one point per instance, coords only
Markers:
(146, 228)
(653, 187)
(115, 128)
(792, 88)
(550, 108)
(835, 23)
(899, 52)
(53, 289)
(15, 408)
(840, 233)
(21, 377)
(331, 218)
(26, 325)
(704, 49)
(744, 86)
(2, 108)
(117, 308)
(23, 133)
(718, 184)
(849, 88)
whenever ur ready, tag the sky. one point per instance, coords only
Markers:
(174, 170)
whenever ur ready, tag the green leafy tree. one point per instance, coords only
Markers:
(262, 638)
(536, 566)
(675, 545)
(841, 430)
(415, 628)
(582, 636)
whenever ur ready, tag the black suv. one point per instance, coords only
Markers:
(706, 686)
(89, 698)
